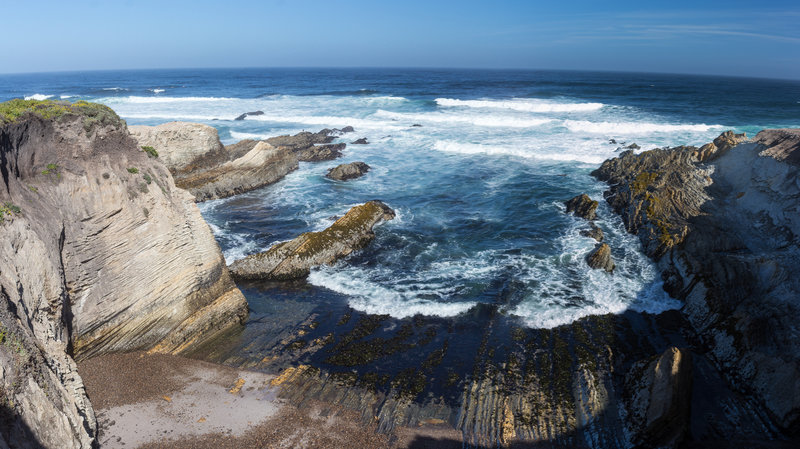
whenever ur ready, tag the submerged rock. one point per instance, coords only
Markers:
(101, 253)
(600, 258)
(595, 233)
(582, 206)
(347, 129)
(295, 258)
(361, 141)
(343, 172)
(248, 114)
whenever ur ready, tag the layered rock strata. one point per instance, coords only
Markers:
(295, 258)
(207, 169)
(99, 252)
(724, 226)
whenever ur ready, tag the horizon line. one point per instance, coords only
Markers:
(487, 69)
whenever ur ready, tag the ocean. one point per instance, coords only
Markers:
(478, 186)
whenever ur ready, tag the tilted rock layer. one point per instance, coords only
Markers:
(295, 258)
(100, 252)
(727, 236)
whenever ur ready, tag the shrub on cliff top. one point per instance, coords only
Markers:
(92, 113)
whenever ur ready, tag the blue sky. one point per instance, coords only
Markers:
(710, 37)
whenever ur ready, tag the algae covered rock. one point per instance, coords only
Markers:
(343, 172)
(595, 233)
(295, 258)
(582, 206)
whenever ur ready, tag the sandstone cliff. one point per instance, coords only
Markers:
(208, 170)
(99, 252)
(725, 227)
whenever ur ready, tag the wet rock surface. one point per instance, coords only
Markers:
(88, 266)
(295, 258)
(343, 172)
(582, 206)
(600, 258)
(594, 232)
(361, 141)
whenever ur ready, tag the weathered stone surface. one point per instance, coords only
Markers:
(660, 393)
(240, 148)
(600, 258)
(781, 144)
(320, 153)
(361, 141)
(294, 259)
(595, 233)
(105, 254)
(262, 165)
(183, 147)
(343, 172)
(582, 206)
(725, 233)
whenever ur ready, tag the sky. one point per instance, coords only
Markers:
(720, 37)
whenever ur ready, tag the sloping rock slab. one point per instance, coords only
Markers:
(295, 258)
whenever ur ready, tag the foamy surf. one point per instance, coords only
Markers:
(522, 105)
(38, 97)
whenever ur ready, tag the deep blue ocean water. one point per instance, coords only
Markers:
(478, 187)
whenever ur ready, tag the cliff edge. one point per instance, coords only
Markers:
(99, 252)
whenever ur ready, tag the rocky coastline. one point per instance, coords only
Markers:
(104, 252)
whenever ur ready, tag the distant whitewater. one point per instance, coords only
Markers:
(477, 165)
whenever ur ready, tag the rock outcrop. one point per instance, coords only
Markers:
(99, 252)
(582, 206)
(595, 233)
(659, 393)
(343, 172)
(295, 258)
(600, 258)
(249, 114)
(724, 227)
(361, 141)
(207, 169)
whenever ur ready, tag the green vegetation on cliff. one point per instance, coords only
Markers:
(92, 113)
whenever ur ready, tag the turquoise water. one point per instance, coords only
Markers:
(478, 187)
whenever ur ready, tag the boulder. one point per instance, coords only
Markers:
(347, 129)
(595, 233)
(295, 258)
(582, 206)
(600, 258)
(99, 253)
(361, 141)
(343, 172)
(660, 392)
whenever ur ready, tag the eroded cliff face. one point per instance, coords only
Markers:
(99, 252)
(725, 226)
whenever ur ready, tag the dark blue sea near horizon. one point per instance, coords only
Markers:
(478, 187)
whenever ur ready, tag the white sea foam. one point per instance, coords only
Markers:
(140, 100)
(116, 89)
(327, 120)
(637, 128)
(242, 136)
(450, 146)
(472, 119)
(523, 105)
(64, 97)
(38, 97)
(157, 91)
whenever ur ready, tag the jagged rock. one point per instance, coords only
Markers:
(600, 258)
(240, 148)
(719, 146)
(320, 153)
(105, 254)
(302, 140)
(660, 393)
(633, 146)
(725, 235)
(347, 129)
(612, 141)
(294, 259)
(247, 114)
(582, 206)
(781, 144)
(262, 165)
(343, 172)
(361, 141)
(595, 233)
(416, 125)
